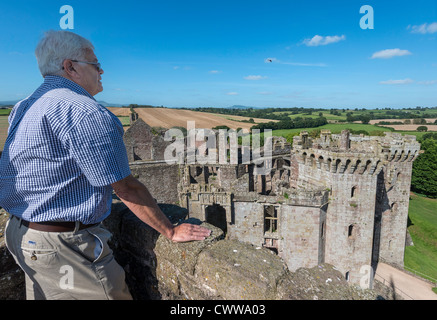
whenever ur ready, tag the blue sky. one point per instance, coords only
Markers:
(215, 53)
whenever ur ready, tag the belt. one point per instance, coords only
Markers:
(51, 226)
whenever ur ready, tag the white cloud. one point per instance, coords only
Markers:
(252, 77)
(214, 71)
(403, 81)
(424, 28)
(183, 68)
(428, 82)
(232, 93)
(322, 41)
(390, 53)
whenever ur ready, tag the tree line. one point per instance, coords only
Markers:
(288, 123)
(424, 177)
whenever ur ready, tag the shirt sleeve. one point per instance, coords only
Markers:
(96, 144)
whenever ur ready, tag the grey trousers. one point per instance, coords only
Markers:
(75, 265)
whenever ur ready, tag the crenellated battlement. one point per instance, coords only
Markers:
(353, 154)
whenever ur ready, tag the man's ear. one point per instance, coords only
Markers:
(69, 68)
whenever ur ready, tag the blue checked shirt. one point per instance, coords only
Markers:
(62, 152)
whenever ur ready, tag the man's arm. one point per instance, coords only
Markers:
(139, 200)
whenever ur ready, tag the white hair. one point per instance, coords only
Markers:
(56, 46)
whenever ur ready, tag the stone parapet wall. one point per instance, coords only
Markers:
(215, 268)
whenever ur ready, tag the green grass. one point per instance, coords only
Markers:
(334, 127)
(413, 133)
(124, 120)
(422, 257)
(315, 114)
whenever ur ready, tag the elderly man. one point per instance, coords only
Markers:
(63, 157)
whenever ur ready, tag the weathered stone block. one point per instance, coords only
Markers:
(184, 255)
(243, 271)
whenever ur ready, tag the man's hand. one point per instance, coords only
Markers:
(138, 199)
(189, 232)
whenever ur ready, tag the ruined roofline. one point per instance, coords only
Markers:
(358, 149)
(317, 196)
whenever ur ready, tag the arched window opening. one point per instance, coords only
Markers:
(354, 192)
(350, 230)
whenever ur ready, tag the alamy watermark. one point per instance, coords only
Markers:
(367, 21)
(66, 282)
(366, 281)
(67, 20)
(209, 147)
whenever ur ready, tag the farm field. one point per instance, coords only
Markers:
(412, 127)
(168, 118)
(4, 125)
(401, 120)
(407, 127)
(333, 127)
(119, 112)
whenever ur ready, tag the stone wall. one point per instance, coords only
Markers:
(302, 231)
(143, 143)
(160, 178)
(393, 211)
(212, 269)
(11, 276)
(215, 268)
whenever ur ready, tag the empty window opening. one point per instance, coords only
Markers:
(216, 215)
(354, 191)
(322, 231)
(350, 230)
(270, 219)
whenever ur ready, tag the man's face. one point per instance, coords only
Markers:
(90, 77)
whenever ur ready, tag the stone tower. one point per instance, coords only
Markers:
(368, 179)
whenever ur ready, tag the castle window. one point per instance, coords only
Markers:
(320, 162)
(312, 161)
(322, 232)
(354, 191)
(270, 219)
(328, 165)
(350, 231)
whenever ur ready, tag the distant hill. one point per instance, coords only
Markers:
(107, 104)
(8, 103)
(242, 107)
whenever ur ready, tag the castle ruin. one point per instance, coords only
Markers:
(340, 199)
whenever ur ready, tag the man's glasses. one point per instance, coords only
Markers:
(96, 64)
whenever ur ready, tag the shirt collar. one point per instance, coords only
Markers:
(61, 82)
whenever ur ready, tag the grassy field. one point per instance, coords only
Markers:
(124, 120)
(422, 257)
(4, 125)
(334, 127)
